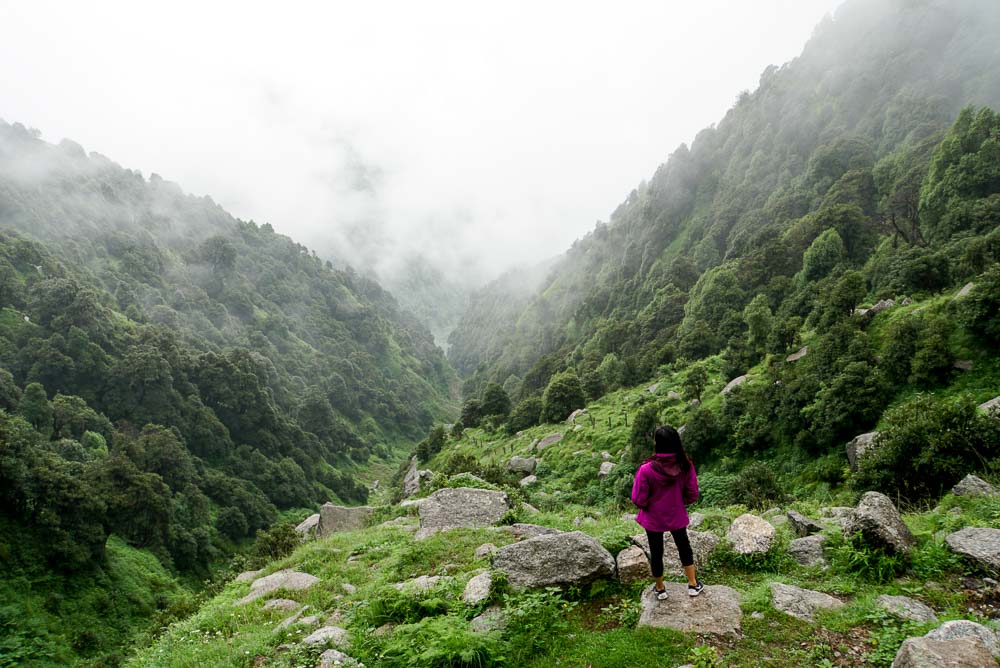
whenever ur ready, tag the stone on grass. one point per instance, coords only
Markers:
(963, 628)
(528, 508)
(715, 611)
(523, 531)
(905, 607)
(493, 618)
(333, 658)
(528, 480)
(606, 469)
(551, 439)
(750, 534)
(695, 520)
(796, 356)
(571, 558)
(972, 485)
(485, 550)
(421, 583)
(633, 565)
(802, 525)
(981, 545)
(991, 407)
(333, 519)
(575, 414)
(879, 524)
(463, 507)
(703, 544)
(282, 604)
(673, 395)
(296, 618)
(835, 515)
(477, 589)
(801, 603)
(524, 465)
(966, 289)
(307, 528)
(333, 635)
(414, 478)
(286, 579)
(958, 653)
(734, 383)
(348, 588)
(808, 551)
(606, 456)
(247, 576)
(857, 447)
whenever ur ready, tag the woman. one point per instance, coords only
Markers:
(664, 485)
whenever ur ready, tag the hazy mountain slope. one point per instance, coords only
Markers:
(868, 97)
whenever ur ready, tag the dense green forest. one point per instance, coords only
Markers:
(865, 169)
(177, 377)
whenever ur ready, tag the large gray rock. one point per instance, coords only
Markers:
(958, 653)
(972, 485)
(572, 558)
(857, 447)
(523, 531)
(411, 481)
(808, 551)
(802, 525)
(981, 545)
(749, 534)
(715, 611)
(796, 356)
(307, 528)
(963, 628)
(333, 519)
(991, 407)
(551, 439)
(879, 524)
(905, 607)
(525, 465)
(703, 544)
(734, 383)
(477, 589)
(462, 507)
(333, 635)
(287, 579)
(633, 565)
(801, 603)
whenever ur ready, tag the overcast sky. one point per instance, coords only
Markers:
(481, 134)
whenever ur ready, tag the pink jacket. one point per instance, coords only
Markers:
(662, 491)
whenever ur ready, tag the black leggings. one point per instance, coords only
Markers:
(656, 550)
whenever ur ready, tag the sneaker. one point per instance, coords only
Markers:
(694, 590)
(661, 594)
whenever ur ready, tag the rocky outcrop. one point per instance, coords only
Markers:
(972, 485)
(716, 611)
(879, 524)
(991, 407)
(749, 534)
(857, 447)
(307, 528)
(462, 507)
(734, 383)
(801, 603)
(905, 607)
(333, 519)
(414, 478)
(966, 289)
(562, 559)
(525, 465)
(808, 551)
(981, 545)
(703, 544)
(287, 579)
(796, 356)
(477, 589)
(801, 525)
(247, 576)
(551, 439)
(963, 628)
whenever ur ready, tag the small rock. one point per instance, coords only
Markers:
(492, 619)
(528, 508)
(981, 545)
(247, 576)
(963, 365)
(802, 525)
(528, 480)
(808, 551)
(673, 395)
(905, 607)
(716, 611)
(653, 388)
(385, 629)
(757, 614)
(294, 619)
(695, 520)
(551, 439)
(972, 485)
(879, 524)
(606, 469)
(421, 583)
(286, 579)
(606, 456)
(411, 503)
(694, 403)
(328, 634)
(307, 528)
(524, 465)
(522, 531)
(485, 550)
(575, 414)
(282, 604)
(333, 658)
(348, 588)
(991, 407)
(477, 589)
(801, 603)
(632, 565)
(750, 534)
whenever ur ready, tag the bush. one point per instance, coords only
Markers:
(853, 557)
(928, 445)
(440, 642)
(702, 434)
(980, 310)
(533, 619)
(563, 395)
(755, 487)
(277, 542)
(526, 414)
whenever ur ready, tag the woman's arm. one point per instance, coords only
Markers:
(690, 494)
(640, 489)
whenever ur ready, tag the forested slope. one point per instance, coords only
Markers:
(176, 376)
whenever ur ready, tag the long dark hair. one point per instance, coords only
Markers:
(666, 441)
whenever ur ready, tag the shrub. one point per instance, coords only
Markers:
(526, 414)
(701, 434)
(980, 310)
(440, 642)
(852, 556)
(533, 619)
(276, 542)
(563, 395)
(755, 487)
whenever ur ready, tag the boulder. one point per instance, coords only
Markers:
(972, 485)
(421, 583)
(287, 579)
(673, 395)
(801, 603)
(485, 550)
(575, 414)
(333, 635)
(734, 383)
(963, 628)
(606, 456)
(879, 524)
(523, 531)
(307, 528)
(333, 658)
(282, 604)
(528, 480)
(605, 471)
(802, 525)
(633, 565)
(695, 520)
(879, 306)
(796, 356)
(333, 519)
(991, 407)
(750, 534)
(857, 447)
(247, 576)
(551, 439)
(702, 545)
(981, 545)
(572, 558)
(653, 388)
(411, 481)
(462, 507)
(493, 618)
(958, 653)
(411, 503)
(966, 289)
(477, 589)
(524, 465)
(295, 618)
(905, 607)
(963, 365)
(716, 611)
(808, 551)
(528, 508)
(835, 515)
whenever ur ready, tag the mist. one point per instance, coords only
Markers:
(474, 138)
